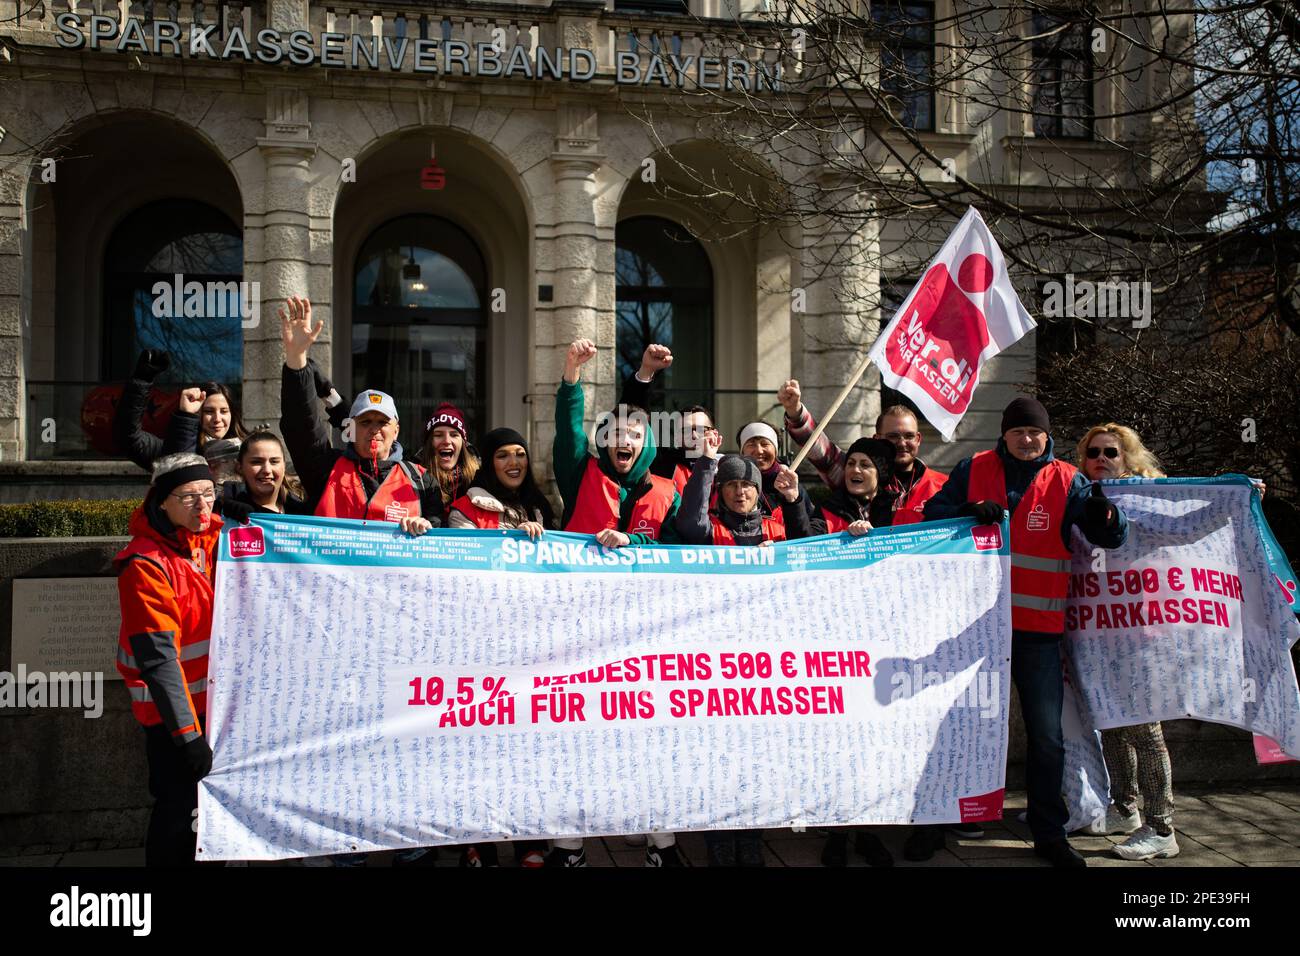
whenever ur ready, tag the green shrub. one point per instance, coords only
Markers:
(66, 519)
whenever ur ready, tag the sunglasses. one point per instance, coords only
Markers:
(1110, 451)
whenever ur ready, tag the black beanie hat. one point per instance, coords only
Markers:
(1025, 412)
(499, 438)
(881, 454)
(738, 468)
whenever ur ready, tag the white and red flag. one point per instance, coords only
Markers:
(960, 314)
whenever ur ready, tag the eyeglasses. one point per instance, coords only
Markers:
(192, 499)
(903, 436)
(1110, 451)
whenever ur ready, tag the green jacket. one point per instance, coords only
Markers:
(569, 458)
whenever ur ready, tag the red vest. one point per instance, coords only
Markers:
(1040, 562)
(191, 591)
(772, 531)
(597, 506)
(481, 517)
(911, 507)
(681, 474)
(345, 496)
(777, 514)
(834, 523)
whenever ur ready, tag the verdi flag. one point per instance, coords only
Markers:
(961, 313)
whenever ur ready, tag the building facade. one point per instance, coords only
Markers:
(460, 188)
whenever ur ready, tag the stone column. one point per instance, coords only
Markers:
(575, 261)
(278, 250)
(15, 304)
(840, 277)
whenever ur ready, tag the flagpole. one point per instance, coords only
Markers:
(830, 413)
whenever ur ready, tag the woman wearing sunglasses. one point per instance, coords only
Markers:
(1136, 757)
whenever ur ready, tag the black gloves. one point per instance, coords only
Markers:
(1098, 510)
(986, 512)
(151, 364)
(232, 509)
(198, 755)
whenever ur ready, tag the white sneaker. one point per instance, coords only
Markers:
(1115, 822)
(1147, 844)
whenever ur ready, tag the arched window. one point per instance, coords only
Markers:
(419, 327)
(665, 295)
(166, 244)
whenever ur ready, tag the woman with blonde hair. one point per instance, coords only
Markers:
(1136, 756)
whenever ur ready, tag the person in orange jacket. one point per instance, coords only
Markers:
(164, 587)
(1045, 499)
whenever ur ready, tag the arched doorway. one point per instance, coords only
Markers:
(203, 333)
(665, 295)
(419, 323)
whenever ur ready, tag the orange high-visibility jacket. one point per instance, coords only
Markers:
(164, 587)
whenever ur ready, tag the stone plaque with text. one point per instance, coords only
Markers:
(66, 624)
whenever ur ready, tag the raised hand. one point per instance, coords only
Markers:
(296, 331)
(581, 351)
(192, 400)
(787, 483)
(656, 358)
(790, 397)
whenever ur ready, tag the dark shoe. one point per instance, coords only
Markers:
(656, 856)
(836, 850)
(423, 856)
(722, 852)
(922, 843)
(566, 858)
(1060, 853)
(749, 852)
(530, 854)
(967, 831)
(872, 850)
(479, 855)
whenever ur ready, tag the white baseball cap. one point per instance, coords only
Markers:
(374, 401)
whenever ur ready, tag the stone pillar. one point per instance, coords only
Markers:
(278, 251)
(840, 277)
(575, 260)
(15, 304)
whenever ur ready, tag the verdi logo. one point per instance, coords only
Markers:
(247, 543)
(987, 537)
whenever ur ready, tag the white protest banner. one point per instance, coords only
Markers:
(960, 314)
(1192, 617)
(368, 690)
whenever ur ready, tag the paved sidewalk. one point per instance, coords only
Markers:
(1246, 825)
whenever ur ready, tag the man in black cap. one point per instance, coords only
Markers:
(1046, 498)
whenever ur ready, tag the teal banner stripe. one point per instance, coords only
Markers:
(285, 539)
